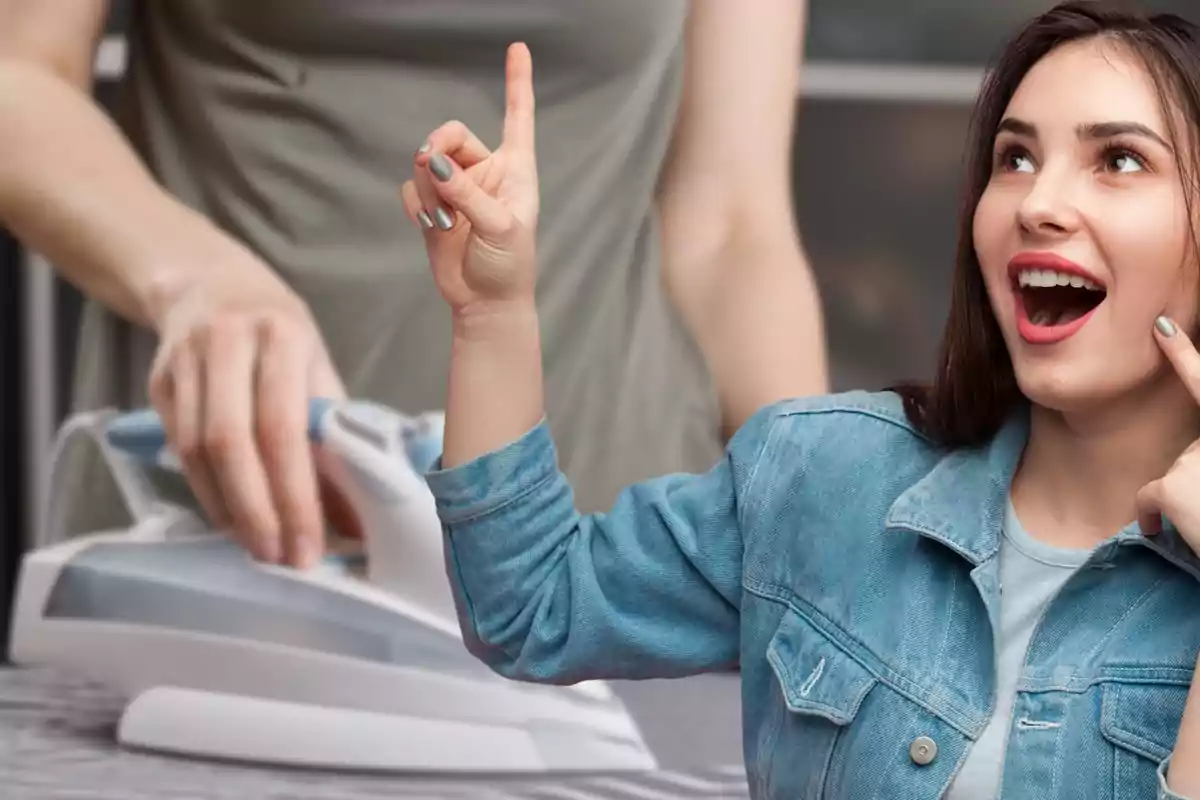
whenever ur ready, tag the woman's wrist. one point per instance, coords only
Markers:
(496, 385)
(495, 322)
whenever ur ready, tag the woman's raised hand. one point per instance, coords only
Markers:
(478, 208)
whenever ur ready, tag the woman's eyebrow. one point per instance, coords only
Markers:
(1090, 130)
(1107, 130)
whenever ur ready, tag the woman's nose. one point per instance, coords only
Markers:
(1050, 207)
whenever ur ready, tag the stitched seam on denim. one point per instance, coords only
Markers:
(901, 422)
(837, 715)
(1112, 730)
(450, 518)
(769, 754)
(1168, 556)
(891, 522)
(1134, 743)
(1162, 676)
(466, 594)
(1056, 775)
(1124, 768)
(772, 429)
(882, 672)
(962, 760)
(1022, 685)
(1082, 686)
(1103, 640)
(949, 616)
(1135, 674)
(1139, 744)
(459, 571)
(824, 777)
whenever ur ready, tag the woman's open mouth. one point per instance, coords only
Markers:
(1053, 303)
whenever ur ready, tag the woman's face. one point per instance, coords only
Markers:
(1083, 233)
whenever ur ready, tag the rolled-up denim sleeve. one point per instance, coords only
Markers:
(1164, 791)
(652, 588)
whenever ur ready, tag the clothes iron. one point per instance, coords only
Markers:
(356, 664)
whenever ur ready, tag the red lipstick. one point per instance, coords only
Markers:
(1046, 334)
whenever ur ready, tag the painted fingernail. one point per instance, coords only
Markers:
(1165, 326)
(443, 218)
(425, 148)
(423, 218)
(439, 165)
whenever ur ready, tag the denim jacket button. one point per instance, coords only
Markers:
(923, 750)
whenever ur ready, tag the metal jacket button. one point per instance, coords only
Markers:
(923, 750)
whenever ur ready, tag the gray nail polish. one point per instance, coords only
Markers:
(1165, 326)
(443, 218)
(439, 165)
(423, 218)
(424, 148)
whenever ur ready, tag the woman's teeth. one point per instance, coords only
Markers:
(1047, 277)
(1053, 298)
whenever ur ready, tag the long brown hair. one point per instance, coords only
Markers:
(974, 388)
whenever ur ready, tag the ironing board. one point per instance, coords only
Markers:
(56, 742)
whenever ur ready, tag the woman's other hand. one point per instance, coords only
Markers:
(479, 208)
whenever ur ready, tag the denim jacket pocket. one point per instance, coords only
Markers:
(822, 687)
(1141, 721)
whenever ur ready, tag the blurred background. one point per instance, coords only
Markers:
(883, 110)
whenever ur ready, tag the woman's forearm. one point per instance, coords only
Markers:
(495, 392)
(72, 189)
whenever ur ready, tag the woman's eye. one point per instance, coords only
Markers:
(1015, 159)
(1121, 160)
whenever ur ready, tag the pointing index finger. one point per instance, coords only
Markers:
(1180, 352)
(519, 106)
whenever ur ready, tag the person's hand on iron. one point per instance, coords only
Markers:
(1176, 495)
(479, 208)
(238, 361)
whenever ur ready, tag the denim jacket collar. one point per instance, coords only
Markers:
(961, 503)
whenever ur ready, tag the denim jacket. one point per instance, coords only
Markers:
(849, 569)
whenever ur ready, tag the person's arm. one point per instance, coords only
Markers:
(239, 355)
(71, 187)
(650, 589)
(733, 260)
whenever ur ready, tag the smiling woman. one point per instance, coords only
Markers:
(1085, 181)
(1073, 171)
(984, 587)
